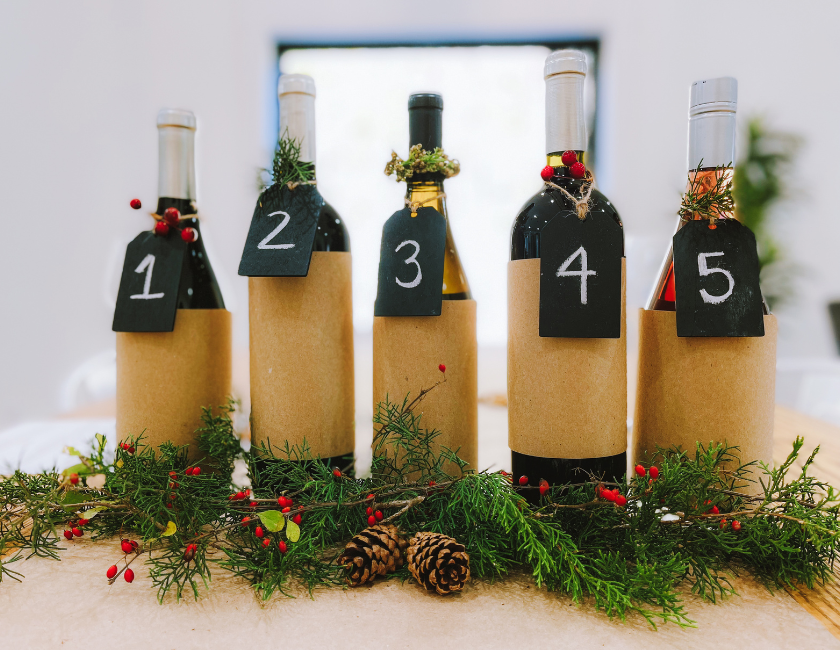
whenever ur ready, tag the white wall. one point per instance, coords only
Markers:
(81, 83)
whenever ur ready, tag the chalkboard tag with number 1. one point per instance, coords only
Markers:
(580, 276)
(411, 264)
(282, 232)
(148, 296)
(716, 280)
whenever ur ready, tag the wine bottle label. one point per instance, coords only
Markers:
(716, 280)
(407, 353)
(580, 276)
(148, 296)
(704, 390)
(279, 242)
(411, 264)
(302, 358)
(567, 398)
(164, 379)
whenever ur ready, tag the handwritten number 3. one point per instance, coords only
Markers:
(264, 245)
(412, 259)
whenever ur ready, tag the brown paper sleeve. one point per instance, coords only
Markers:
(164, 378)
(567, 398)
(406, 354)
(704, 389)
(302, 357)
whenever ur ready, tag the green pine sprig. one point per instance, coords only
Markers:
(421, 161)
(709, 194)
(287, 167)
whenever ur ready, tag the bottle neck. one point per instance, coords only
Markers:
(297, 121)
(703, 180)
(176, 162)
(565, 120)
(427, 191)
(561, 170)
(711, 137)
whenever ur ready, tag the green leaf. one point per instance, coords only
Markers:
(171, 529)
(75, 498)
(72, 451)
(273, 520)
(293, 531)
(80, 469)
(90, 514)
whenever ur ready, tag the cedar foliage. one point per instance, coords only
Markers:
(619, 559)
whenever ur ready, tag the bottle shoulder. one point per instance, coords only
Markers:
(331, 233)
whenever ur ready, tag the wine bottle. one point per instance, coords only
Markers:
(699, 387)
(302, 390)
(409, 352)
(194, 358)
(551, 436)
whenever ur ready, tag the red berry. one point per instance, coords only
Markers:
(715, 510)
(369, 511)
(126, 546)
(547, 172)
(188, 471)
(723, 524)
(134, 545)
(173, 474)
(239, 495)
(258, 531)
(78, 532)
(128, 575)
(578, 170)
(371, 521)
(640, 470)
(84, 522)
(74, 479)
(297, 518)
(281, 501)
(442, 368)
(337, 472)
(135, 203)
(282, 546)
(432, 483)
(609, 495)
(172, 216)
(289, 501)
(569, 158)
(266, 542)
(544, 487)
(370, 496)
(523, 480)
(621, 500)
(131, 450)
(161, 229)
(247, 492)
(286, 509)
(654, 472)
(112, 571)
(189, 235)
(68, 534)
(245, 520)
(189, 552)
(736, 525)
(253, 504)
(379, 516)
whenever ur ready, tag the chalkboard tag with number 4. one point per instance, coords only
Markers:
(411, 264)
(148, 296)
(716, 280)
(282, 232)
(580, 276)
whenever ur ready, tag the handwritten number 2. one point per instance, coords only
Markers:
(264, 245)
(410, 260)
(147, 265)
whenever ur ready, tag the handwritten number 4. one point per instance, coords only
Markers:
(264, 245)
(583, 274)
(147, 265)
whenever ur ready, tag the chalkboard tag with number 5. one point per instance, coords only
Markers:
(580, 276)
(411, 264)
(716, 280)
(279, 242)
(148, 296)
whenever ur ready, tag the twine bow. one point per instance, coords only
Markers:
(293, 184)
(581, 204)
(415, 205)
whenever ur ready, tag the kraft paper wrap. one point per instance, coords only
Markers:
(164, 378)
(406, 354)
(702, 389)
(567, 398)
(302, 357)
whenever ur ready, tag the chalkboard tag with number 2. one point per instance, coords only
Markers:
(148, 296)
(411, 264)
(716, 280)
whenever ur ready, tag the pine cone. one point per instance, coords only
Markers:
(438, 562)
(375, 551)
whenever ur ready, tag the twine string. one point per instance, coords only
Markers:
(415, 205)
(581, 204)
(293, 184)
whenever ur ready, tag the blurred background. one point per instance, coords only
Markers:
(81, 84)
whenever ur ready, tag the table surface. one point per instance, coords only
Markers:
(70, 602)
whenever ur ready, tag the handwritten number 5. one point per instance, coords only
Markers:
(264, 245)
(410, 260)
(705, 270)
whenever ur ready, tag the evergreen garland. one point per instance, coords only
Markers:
(677, 524)
(421, 161)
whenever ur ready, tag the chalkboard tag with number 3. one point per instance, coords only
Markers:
(282, 232)
(411, 264)
(580, 276)
(148, 296)
(716, 280)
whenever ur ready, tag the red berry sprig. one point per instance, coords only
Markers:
(640, 470)
(569, 158)
(171, 216)
(371, 521)
(523, 480)
(442, 368)
(378, 514)
(297, 518)
(189, 552)
(337, 472)
(111, 572)
(547, 172)
(578, 170)
(135, 203)
(128, 575)
(544, 487)
(161, 229)
(282, 546)
(258, 531)
(736, 525)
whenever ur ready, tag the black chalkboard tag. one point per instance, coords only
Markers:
(411, 264)
(580, 276)
(279, 243)
(716, 280)
(148, 296)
